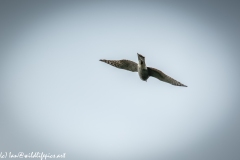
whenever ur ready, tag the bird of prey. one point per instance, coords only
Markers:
(143, 71)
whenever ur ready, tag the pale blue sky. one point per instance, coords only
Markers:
(57, 97)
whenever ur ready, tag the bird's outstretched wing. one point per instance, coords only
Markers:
(122, 64)
(163, 77)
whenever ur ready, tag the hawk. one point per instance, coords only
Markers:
(144, 72)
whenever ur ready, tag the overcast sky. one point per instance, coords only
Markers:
(57, 97)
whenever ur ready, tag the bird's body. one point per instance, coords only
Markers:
(142, 69)
(144, 72)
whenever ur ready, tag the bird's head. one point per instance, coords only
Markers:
(141, 59)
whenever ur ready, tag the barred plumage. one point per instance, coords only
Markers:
(163, 77)
(122, 64)
(143, 71)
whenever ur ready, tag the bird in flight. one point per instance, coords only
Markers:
(143, 71)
